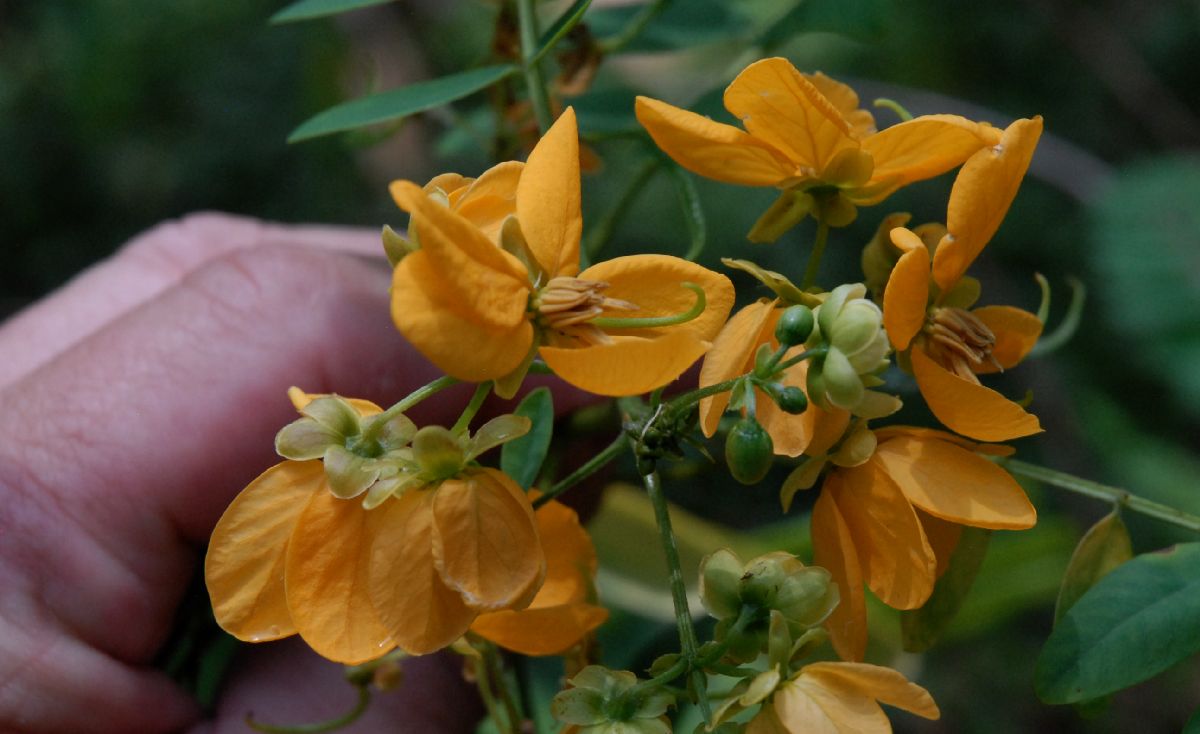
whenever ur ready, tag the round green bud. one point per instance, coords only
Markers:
(794, 325)
(791, 399)
(749, 451)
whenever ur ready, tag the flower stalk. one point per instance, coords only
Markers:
(535, 82)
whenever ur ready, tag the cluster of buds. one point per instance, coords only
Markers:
(603, 701)
(850, 328)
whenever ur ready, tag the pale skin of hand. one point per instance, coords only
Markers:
(135, 403)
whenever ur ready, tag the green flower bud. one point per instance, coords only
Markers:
(720, 577)
(790, 399)
(749, 451)
(843, 386)
(795, 325)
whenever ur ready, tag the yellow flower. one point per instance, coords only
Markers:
(805, 132)
(289, 556)
(481, 311)
(948, 344)
(561, 615)
(892, 521)
(840, 698)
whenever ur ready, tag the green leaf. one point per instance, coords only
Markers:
(1103, 547)
(568, 20)
(681, 25)
(309, 9)
(921, 628)
(398, 103)
(1134, 623)
(522, 458)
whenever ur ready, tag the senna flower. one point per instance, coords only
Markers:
(447, 541)
(481, 311)
(562, 614)
(805, 134)
(926, 299)
(892, 521)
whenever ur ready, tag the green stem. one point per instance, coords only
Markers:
(807, 354)
(496, 669)
(593, 465)
(633, 28)
(814, 259)
(602, 231)
(482, 390)
(483, 682)
(535, 82)
(1095, 490)
(894, 106)
(364, 698)
(683, 615)
(413, 398)
(688, 399)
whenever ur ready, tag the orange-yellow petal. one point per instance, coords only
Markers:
(630, 365)
(407, 593)
(777, 105)
(991, 449)
(570, 557)
(897, 562)
(485, 541)
(711, 149)
(943, 538)
(490, 199)
(906, 296)
(300, 399)
(965, 407)
(921, 148)
(799, 711)
(548, 198)
(834, 550)
(813, 432)
(732, 350)
(244, 566)
(982, 193)
(872, 682)
(485, 280)
(1016, 332)
(459, 345)
(654, 284)
(954, 484)
(326, 574)
(543, 631)
(845, 100)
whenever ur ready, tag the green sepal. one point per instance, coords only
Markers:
(779, 284)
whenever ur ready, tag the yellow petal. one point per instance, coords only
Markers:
(548, 198)
(570, 557)
(834, 550)
(982, 193)
(490, 199)
(451, 184)
(970, 409)
(407, 593)
(1016, 332)
(777, 105)
(731, 352)
(326, 572)
(484, 279)
(921, 148)
(630, 365)
(300, 399)
(543, 631)
(872, 681)
(906, 296)
(897, 561)
(485, 541)
(459, 345)
(943, 538)
(800, 712)
(710, 149)
(244, 566)
(654, 284)
(845, 100)
(766, 721)
(991, 449)
(955, 484)
(813, 432)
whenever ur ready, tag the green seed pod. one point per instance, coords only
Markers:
(795, 325)
(791, 399)
(749, 451)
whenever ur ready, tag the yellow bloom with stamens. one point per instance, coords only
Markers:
(480, 309)
(292, 554)
(926, 300)
(839, 698)
(805, 133)
(562, 614)
(892, 521)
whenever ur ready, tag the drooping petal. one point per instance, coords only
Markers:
(244, 566)
(982, 193)
(845, 100)
(922, 148)
(875, 682)
(548, 198)
(654, 284)
(485, 541)
(848, 711)
(954, 484)
(630, 365)
(1016, 332)
(943, 538)
(326, 574)
(732, 350)
(570, 557)
(420, 612)
(906, 296)
(970, 409)
(930, 434)
(834, 550)
(766, 721)
(489, 283)
(801, 713)
(711, 149)
(543, 631)
(777, 105)
(458, 345)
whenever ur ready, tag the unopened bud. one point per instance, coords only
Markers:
(749, 451)
(795, 325)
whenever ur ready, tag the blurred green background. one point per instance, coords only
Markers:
(115, 116)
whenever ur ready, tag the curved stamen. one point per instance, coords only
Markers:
(653, 322)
